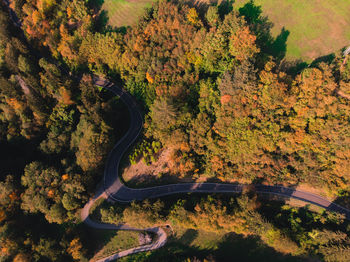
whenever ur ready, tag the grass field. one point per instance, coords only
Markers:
(118, 241)
(124, 12)
(317, 27)
(224, 247)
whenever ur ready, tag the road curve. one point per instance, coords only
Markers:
(114, 190)
(160, 239)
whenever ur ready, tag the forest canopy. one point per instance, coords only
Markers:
(213, 90)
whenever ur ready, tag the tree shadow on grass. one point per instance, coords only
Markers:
(293, 67)
(225, 7)
(247, 249)
(102, 20)
(232, 247)
(261, 26)
(100, 239)
(189, 236)
(96, 3)
(101, 24)
(278, 46)
(326, 59)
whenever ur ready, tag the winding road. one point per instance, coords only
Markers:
(115, 191)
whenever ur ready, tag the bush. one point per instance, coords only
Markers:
(147, 150)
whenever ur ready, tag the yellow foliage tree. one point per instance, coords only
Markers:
(75, 249)
(21, 257)
(192, 17)
(14, 103)
(65, 96)
(242, 44)
(2, 215)
(149, 78)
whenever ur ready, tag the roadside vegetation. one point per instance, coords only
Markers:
(204, 227)
(145, 150)
(122, 240)
(215, 91)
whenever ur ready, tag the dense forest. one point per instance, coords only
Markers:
(55, 133)
(214, 89)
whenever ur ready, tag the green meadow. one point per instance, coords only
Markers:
(125, 12)
(316, 27)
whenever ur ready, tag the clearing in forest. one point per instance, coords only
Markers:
(125, 12)
(317, 27)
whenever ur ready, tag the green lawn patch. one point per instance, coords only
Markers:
(317, 28)
(122, 240)
(125, 12)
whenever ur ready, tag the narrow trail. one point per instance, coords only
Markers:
(114, 190)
